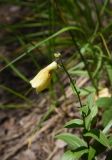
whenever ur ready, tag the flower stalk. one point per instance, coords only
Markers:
(77, 92)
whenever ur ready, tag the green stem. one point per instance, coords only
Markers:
(71, 82)
(78, 94)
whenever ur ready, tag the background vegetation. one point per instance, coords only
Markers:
(33, 30)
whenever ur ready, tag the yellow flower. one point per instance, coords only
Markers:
(43, 78)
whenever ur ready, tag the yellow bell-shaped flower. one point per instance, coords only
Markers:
(42, 79)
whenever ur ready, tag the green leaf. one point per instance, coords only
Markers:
(91, 100)
(107, 116)
(107, 127)
(85, 109)
(74, 91)
(78, 154)
(91, 153)
(85, 48)
(14, 106)
(110, 140)
(77, 66)
(87, 90)
(92, 111)
(73, 141)
(68, 156)
(89, 118)
(98, 136)
(109, 71)
(74, 123)
(78, 73)
(105, 102)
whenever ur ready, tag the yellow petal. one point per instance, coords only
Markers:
(43, 78)
(52, 66)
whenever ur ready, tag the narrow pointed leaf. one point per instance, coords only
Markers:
(68, 156)
(98, 136)
(91, 100)
(79, 154)
(74, 123)
(89, 118)
(73, 141)
(85, 110)
(107, 127)
(91, 153)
